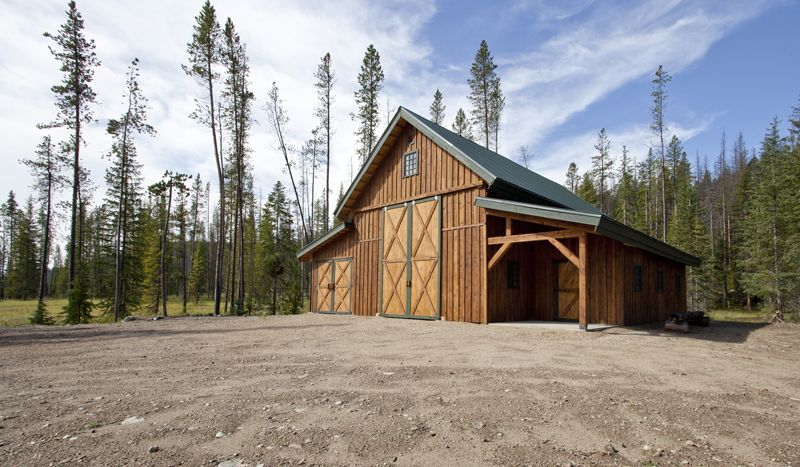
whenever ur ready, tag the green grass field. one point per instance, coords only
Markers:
(17, 312)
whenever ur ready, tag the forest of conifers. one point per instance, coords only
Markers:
(131, 243)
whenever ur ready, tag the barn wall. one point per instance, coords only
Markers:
(463, 245)
(648, 305)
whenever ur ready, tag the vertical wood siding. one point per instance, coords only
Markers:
(463, 228)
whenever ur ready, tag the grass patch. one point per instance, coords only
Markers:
(18, 312)
(740, 315)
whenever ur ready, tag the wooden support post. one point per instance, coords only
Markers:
(583, 290)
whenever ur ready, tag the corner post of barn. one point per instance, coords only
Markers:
(583, 289)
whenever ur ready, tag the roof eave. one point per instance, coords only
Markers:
(304, 253)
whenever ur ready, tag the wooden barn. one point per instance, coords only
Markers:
(435, 226)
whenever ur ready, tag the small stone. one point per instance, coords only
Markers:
(219, 435)
(610, 449)
(132, 420)
(295, 446)
(307, 441)
(478, 425)
(646, 447)
(388, 373)
(684, 462)
(338, 403)
(153, 449)
(690, 443)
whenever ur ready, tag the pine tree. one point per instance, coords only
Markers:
(46, 169)
(602, 167)
(658, 126)
(484, 88)
(325, 81)
(74, 99)
(437, 108)
(204, 55)
(124, 182)
(461, 125)
(370, 82)
(625, 198)
(497, 104)
(23, 277)
(587, 189)
(765, 227)
(572, 177)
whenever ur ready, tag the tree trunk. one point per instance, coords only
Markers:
(162, 260)
(46, 237)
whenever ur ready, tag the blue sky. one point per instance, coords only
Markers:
(568, 68)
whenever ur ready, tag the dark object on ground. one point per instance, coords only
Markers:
(129, 318)
(681, 321)
(156, 318)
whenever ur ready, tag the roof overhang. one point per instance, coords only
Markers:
(337, 231)
(389, 135)
(598, 223)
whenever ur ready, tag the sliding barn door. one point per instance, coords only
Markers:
(322, 300)
(342, 275)
(410, 260)
(425, 259)
(395, 260)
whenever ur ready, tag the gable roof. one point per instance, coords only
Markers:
(500, 173)
(532, 194)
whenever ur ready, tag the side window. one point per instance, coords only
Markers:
(410, 164)
(660, 281)
(637, 278)
(512, 276)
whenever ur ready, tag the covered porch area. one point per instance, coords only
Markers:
(545, 266)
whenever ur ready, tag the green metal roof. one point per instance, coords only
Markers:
(501, 174)
(325, 238)
(600, 223)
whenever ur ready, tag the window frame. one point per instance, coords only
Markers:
(637, 278)
(405, 164)
(660, 281)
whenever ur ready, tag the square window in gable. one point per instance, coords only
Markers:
(410, 164)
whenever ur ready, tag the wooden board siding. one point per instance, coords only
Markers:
(463, 237)
(649, 305)
(439, 173)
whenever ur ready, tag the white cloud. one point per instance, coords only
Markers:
(545, 86)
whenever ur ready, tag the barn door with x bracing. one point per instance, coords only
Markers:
(411, 256)
(333, 286)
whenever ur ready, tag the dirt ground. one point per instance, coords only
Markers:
(340, 390)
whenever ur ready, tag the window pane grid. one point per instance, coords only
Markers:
(410, 164)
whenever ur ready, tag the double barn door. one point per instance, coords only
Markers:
(333, 286)
(410, 260)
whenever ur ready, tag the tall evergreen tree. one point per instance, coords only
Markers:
(325, 81)
(124, 182)
(23, 277)
(74, 99)
(484, 86)
(602, 168)
(659, 127)
(370, 84)
(204, 56)
(48, 179)
(625, 189)
(437, 108)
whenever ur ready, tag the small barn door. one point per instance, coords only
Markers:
(410, 263)
(425, 259)
(566, 291)
(342, 275)
(323, 285)
(333, 286)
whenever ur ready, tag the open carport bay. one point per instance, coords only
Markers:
(338, 390)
